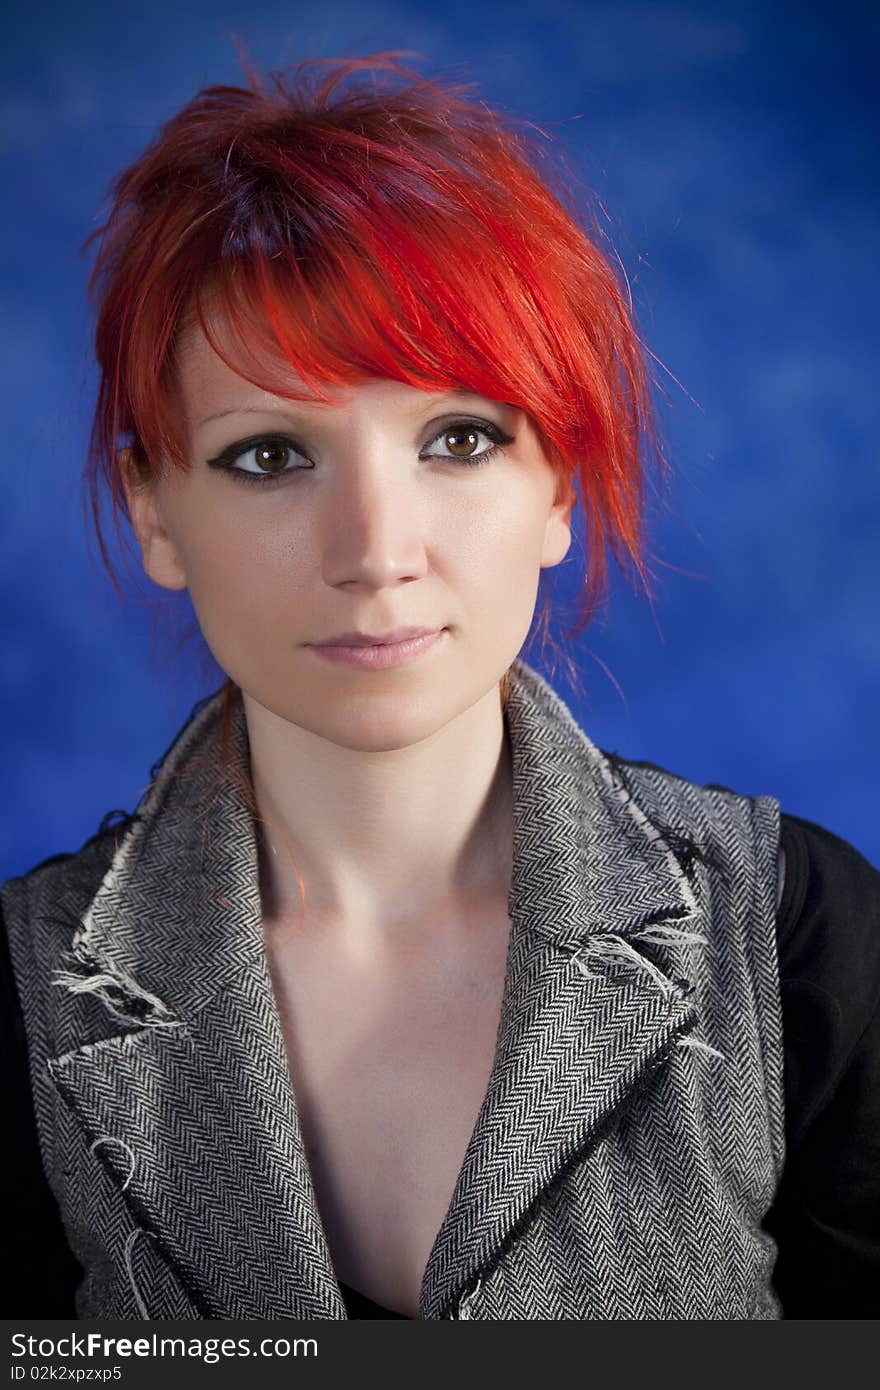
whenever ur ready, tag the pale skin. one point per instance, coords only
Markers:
(392, 787)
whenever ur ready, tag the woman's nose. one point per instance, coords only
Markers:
(374, 529)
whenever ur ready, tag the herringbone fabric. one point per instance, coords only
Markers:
(631, 1138)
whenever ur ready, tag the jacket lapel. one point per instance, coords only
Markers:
(192, 1076)
(194, 1080)
(585, 1014)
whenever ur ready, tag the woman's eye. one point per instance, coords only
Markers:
(269, 457)
(461, 441)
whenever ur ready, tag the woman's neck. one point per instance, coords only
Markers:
(389, 844)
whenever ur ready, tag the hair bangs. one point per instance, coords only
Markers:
(405, 294)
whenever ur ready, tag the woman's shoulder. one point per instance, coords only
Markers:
(823, 863)
(828, 907)
(93, 857)
(654, 782)
(735, 836)
(41, 908)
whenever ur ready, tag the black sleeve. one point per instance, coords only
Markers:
(826, 1217)
(42, 1274)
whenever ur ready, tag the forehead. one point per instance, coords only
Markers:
(211, 387)
(210, 379)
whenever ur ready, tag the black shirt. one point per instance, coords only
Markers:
(826, 1215)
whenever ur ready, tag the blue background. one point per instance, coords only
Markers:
(733, 148)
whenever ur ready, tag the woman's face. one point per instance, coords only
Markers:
(299, 522)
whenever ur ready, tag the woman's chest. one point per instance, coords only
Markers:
(390, 1068)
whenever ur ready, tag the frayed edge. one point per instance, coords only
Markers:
(111, 1139)
(700, 1046)
(132, 1237)
(136, 1004)
(661, 935)
(615, 951)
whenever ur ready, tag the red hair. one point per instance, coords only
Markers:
(369, 229)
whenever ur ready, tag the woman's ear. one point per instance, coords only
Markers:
(159, 557)
(557, 533)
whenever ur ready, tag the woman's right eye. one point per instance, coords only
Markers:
(271, 457)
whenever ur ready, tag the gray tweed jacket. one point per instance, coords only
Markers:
(631, 1138)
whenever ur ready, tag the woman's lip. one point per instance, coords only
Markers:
(357, 639)
(381, 657)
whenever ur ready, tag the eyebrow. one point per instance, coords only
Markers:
(267, 409)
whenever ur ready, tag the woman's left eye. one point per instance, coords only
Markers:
(462, 442)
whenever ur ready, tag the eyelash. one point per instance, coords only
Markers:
(233, 452)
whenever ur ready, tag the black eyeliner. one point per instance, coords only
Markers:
(227, 457)
(232, 452)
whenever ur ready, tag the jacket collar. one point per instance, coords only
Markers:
(194, 1078)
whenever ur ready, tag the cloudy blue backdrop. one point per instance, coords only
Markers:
(734, 149)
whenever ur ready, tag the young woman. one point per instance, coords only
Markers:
(396, 996)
